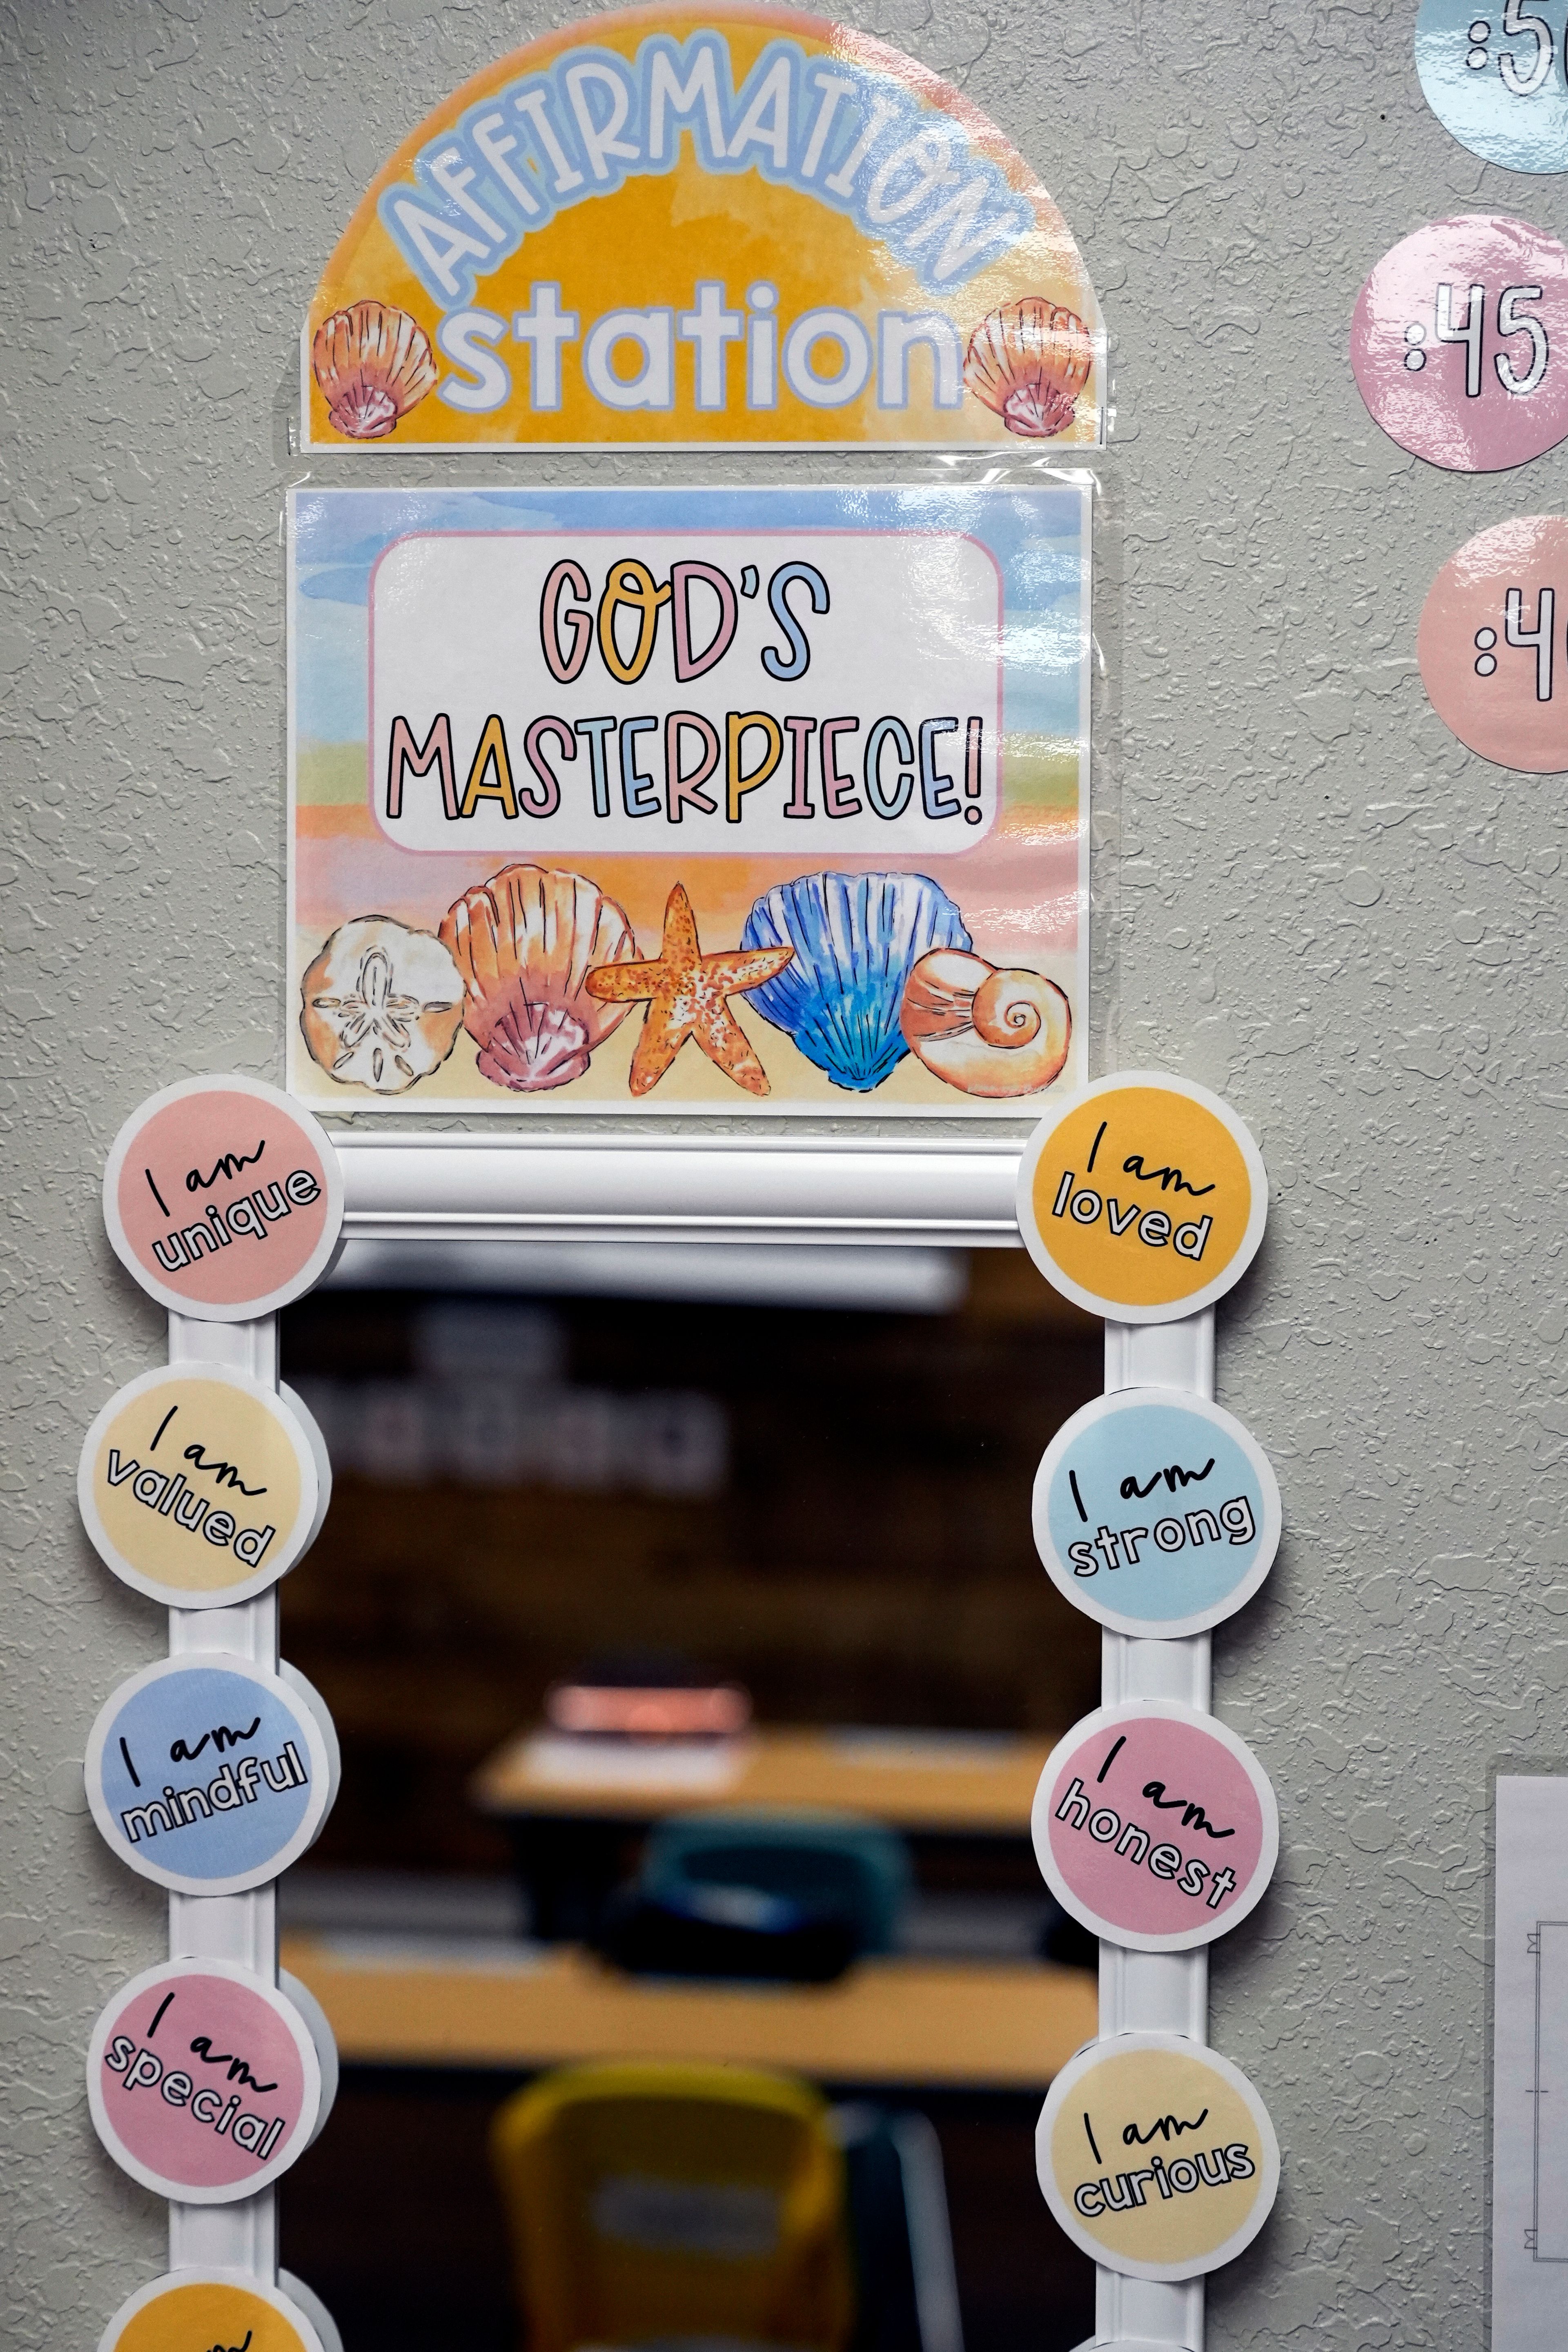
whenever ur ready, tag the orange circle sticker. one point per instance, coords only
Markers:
(187, 2309)
(1143, 1199)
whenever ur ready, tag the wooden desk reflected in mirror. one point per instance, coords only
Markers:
(927, 1783)
(895, 2021)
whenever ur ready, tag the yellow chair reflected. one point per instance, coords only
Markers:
(654, 2203)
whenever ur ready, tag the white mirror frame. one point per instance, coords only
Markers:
(955, 1193)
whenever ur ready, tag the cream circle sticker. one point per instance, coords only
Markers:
(1143, 1199)
(207, 1774)
(1156, 2155)
(1155, 1825)
(1493, 75)
(203, 2082)
(210, 2310)
(1460, 343)
(1492, 644)
(223, 1198)
(1155, 1513)
(197, 1485)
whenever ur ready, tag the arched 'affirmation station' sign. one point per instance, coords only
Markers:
(734, 223)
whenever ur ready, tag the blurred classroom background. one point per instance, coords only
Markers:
(693, 1669)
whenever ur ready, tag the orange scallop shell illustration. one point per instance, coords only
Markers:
(525, 942)
(1027, 363)
(373, 364)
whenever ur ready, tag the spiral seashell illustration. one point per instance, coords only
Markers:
(1027, 363)
(990, 1032)
(381, 1006)
(525, 942)
(373, 364)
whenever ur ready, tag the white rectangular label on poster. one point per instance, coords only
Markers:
(465, 623)
(1530, 2060)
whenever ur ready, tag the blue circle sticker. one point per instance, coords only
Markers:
(1495, 74)
(1156, 1513)
(207, 1774)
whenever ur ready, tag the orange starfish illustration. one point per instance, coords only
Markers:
(687, 992)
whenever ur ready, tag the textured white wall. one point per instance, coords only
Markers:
(1328, 909)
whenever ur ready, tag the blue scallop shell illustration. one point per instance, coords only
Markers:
(857, 937)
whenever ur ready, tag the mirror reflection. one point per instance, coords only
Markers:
(677, 1922)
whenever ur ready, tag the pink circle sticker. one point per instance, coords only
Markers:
(1155, 1826)
(1493, 644)
(203, 2081)
(1460, 343)
(223, 1198)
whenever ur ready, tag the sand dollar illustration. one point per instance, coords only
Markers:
(193, 2311)
(1155, 1512)
(223, 1198)
(198, 1487)
(203, 2080)
(207, 1774)
(1155, 1825)
(1156, 2155)
(1144, 1198)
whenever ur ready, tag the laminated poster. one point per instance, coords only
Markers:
(685, 801)
(737, 223)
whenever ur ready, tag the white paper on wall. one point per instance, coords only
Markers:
(1530, 2063)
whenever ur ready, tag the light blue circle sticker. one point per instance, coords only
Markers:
(1156, 1513)
(1495, 74)
(207, 1774)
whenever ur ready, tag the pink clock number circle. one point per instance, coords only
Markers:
(223, 1198)
(1460, 343)
(1493, 644)
(1155, 1826)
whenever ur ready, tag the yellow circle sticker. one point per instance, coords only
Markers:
(198, 1487)
(1156, 2155)
(191, 2311)
(1143, 1199)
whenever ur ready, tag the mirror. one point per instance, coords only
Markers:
(693, 1666)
